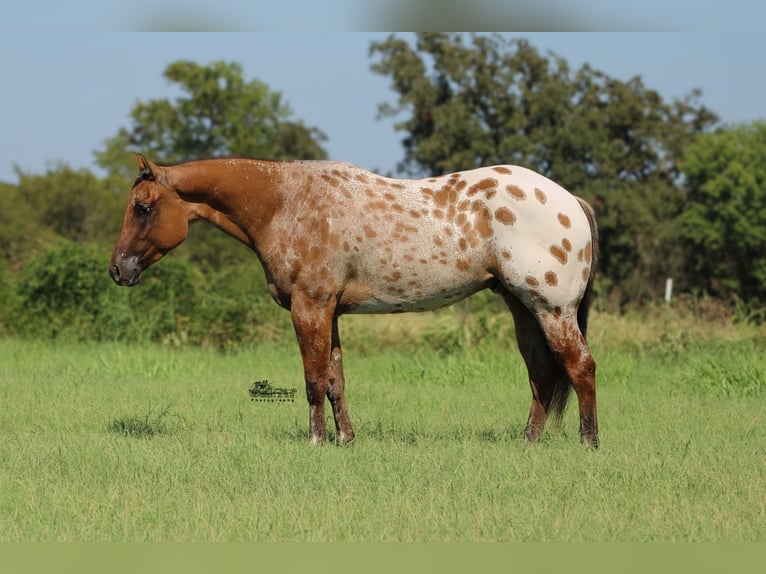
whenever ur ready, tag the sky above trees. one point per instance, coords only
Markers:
(70, 92)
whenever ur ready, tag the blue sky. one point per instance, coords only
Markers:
(63, 93)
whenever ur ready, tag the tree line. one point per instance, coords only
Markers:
(676, 193)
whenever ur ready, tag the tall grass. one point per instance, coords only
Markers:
(108, 442)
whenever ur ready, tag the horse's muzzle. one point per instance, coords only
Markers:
(126, 273)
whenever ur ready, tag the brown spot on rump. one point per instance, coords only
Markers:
(505, 216)
(580, 255)
(566, 244)
(462, 244)
(389, 196)
(369, 192)
(397, 207)
(551, 279)
(369, 231)
(441, 197)
(438, 214)
(361, 177)
(346, 246)
(414, 213)
(506, 254)
(588, 253)
(540, 195)
(531, 281)
(586, 273)
(516, 192)
(564, 220)
(334, 240)
(438, 240)
(463, 205)
(462, 264)
(461, 185)
(502, 169)
(472, 236)
(403, 228)
(397, 185)
(490, 193)
(484, 184)
(482, 223)
(559, 254)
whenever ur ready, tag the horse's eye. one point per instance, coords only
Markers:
(142, 209)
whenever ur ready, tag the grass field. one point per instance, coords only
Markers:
(109, 442)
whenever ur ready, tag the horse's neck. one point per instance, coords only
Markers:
(238, 196)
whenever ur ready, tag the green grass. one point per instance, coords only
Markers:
(108, 442)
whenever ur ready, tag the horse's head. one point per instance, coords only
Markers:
(156, 220)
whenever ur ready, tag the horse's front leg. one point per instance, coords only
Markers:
(313, 322)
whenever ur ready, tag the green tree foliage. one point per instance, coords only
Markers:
(479, 100)
(217, 113)
(723, 224)
(65, 293)
(61, 203)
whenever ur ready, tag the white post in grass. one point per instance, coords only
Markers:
(668, 289)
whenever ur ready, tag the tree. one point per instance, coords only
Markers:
(61, 203)
(480, 100)
(74, 204)
(219, 113)
(723, 224)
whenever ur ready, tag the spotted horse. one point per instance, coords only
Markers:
(334, 238)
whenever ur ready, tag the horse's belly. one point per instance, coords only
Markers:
(402, 289)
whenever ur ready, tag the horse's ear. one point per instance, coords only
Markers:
(147, 169)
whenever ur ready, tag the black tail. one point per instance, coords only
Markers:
(582, 311)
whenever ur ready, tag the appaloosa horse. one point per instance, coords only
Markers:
(335, 239)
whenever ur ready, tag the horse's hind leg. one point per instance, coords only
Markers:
(568, 344)
(547, 378)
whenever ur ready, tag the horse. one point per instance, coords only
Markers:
(334, 238)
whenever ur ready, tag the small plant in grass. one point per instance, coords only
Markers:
(146, 426)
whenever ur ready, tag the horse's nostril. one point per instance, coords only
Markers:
(115, 272)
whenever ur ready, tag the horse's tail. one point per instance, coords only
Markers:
(582, 311)
(563, 386)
